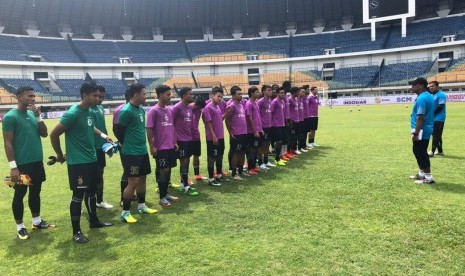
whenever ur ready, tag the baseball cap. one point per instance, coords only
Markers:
(419, 81)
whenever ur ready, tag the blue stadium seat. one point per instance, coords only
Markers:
(401, 72)
(52, 50)
(361, 76)
(15, 83)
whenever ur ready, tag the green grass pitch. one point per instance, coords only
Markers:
(346, 207)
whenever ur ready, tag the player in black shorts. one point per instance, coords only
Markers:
(162, 142)
(130, 131)
(78, 126)
(22, 128)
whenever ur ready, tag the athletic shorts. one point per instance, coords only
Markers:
(166, 159)
(239, 143)
(313, 123)
(83, 176)
(136, 165)
(35, 170)
(101, 158)
(196, 148)
(266, 134)
(254, 142)
(307, 124)
(185, 149)
(215, 150)
(277, 134)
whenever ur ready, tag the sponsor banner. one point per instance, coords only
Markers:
(455, 97)
(54, 114)
(404, 99)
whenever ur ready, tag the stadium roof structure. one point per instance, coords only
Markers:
(187, 19)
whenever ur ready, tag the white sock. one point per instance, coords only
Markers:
(421, 173)
(211, 179)
(428, 176)
(141, 205)
(219, 175)
(124, 212)
(36, 220)
(20, 226)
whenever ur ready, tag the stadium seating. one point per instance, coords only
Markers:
(456, 73)
(97, 51)
(226, 81)
(427, 32)
(52, 50)
(115, 88)
(153, 52)
(240, 48)
(11, 50)
(70, 87)
(361, 76)
(399, 73)
(6, 97)
(15, 83)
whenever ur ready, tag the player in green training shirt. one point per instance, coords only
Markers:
(78, 126)
(22, 128)
(130, 131)
(99, 120)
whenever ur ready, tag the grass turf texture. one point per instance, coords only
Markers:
(345, 207)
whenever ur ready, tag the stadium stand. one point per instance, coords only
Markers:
(427, 32)
(11, 50)
(356, 77)
(114, 87)
(97, 51)
(52, 50)
(398, 73)
(456, 73)
(224, 80)
(6, 97)
(152, 52)
(69, 87)
(13, 84)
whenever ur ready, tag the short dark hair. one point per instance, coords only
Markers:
(234, 90)
(217, 89)
(313, 88)
(23, 89)
(252, 90)
(126, 95)
(294, 90)
(134, 89)
(287, 85)
(200, 102)
(101, 88)
(306, 86)
(281, 88)
(87, 88)
(435, 83)
(184, 91)
(162, 89)
(265, 86)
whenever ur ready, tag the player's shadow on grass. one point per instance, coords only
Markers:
(97, 248)
(39, 241)
(453, 157)
(449, 187)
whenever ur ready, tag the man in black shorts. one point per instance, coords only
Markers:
(162, 142)
(22, 128)
(196, 145)
(182, 116)
(130, 132)
(78, 126)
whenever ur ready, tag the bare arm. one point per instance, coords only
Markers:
(42, 127)
(55, 139)
(153, 150)
(10, 154)
(419, 125)
(99, 133)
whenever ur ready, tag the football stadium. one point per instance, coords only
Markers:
(232, 137)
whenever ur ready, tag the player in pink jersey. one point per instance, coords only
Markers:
(302, 114)
(182, 116)
(214, 132)
(313, 104)
(264, 106)
(162, 143)
(237, 126)
(254, 129)
(278, 125)
(197, 108)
